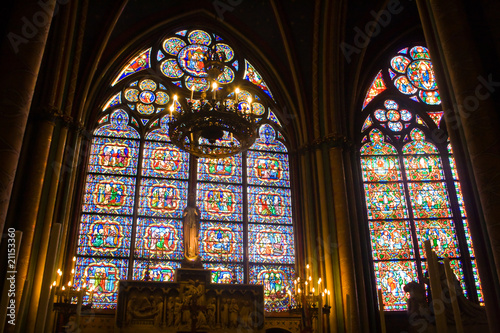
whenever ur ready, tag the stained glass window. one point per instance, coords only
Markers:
(409, 197)
(138, 182)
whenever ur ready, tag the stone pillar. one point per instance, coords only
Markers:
(471, 117)
(22, 51)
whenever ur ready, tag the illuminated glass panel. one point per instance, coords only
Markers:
(225, 273)
(268, 169)
(377, 86)
(114, 156)
(269, 205)
(267, 140)
(385, 201)
(227, 170)
(391, 240)
(380, 168)
(429, 200)
(220, 202)
(460, 198)
(423, 167)
(100, 277)
(468, 238)
(221, 242)
(271, 244)
(477, 282)
(377, 146)
(253, 76)
(418, 145)
(102, 235)
(159, 239)
(277, 280)
(109, 194)
(391, 277)
(142, 61)
(158, 270)
(442, 235)
(118, 126)
(163, 198)
(164, 160)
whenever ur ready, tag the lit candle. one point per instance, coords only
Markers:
(250, 104)
(192, 91)
(319, 285)
(236, 92)
(313, 291)
(289, 298)
(307, 288)
(214, 89)
(328, 292)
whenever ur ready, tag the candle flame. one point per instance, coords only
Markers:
(74, 258)
(175, 97)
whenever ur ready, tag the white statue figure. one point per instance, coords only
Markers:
(191, 226)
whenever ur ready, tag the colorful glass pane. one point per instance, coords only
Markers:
(197, 83)
(399, 63)
(392, 276)
(460, 199)
(254, 77)
(164, 160)
(100, 276)
(132, 95)
(159, 55)
(405, 115)
(468, 238)
(273, 118)
(220, 202)
(199, 37)
(419, 52)
(380, 168)
(395, 126)
(221, 241)
(159, 239)
(148, 84)
(104, 235)
(385, 201)
(115, 100)
(436, 117)
(109, 194)
(191, 60)
(181, 33)
(477, 282)
(145, 109)
(160, 134)
(271, 244)
(268, 169)
(163, 198)
(377, 86)
(115, 156)
(429, 200)
(267, 140)
(258, 109)
(118, 126)
(227, 76)
(380, 115)
(269, 205)
(442, 235)
(173, 45)
(158, 270)
(391, 240)
(228, 51)
(418, 145)
(404, 85)
(430, 97)
(225, 273)
(171, 69)
(377, 146)
(423, 167)
(368, 122)
(277, 280)
(162, 98)
(135, 65)
(147, 97)
(421, 75)
(227, 170)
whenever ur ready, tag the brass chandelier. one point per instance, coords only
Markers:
(216, 127)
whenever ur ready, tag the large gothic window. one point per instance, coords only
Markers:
(138, 182)
(410, 181)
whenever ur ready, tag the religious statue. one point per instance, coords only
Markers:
(191, 228)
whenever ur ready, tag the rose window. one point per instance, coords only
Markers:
(148, 95)
(394, 118)
(188, 52)
(413, 74)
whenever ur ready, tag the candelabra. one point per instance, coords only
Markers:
(310, 302)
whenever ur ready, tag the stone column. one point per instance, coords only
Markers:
(22, 53)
